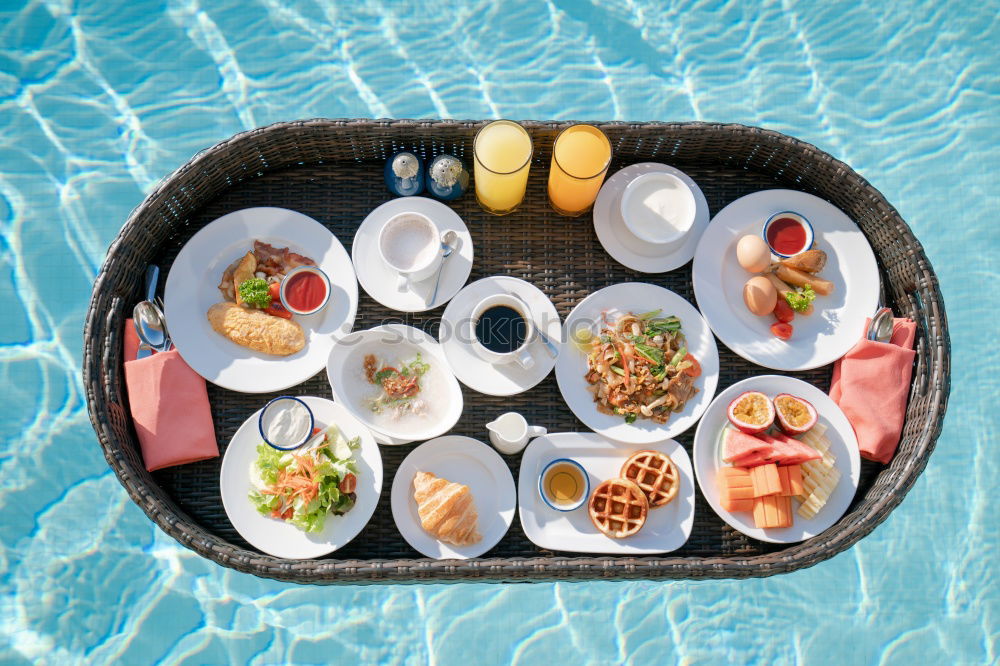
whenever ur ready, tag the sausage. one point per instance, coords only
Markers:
(783, 289)
(800, 279)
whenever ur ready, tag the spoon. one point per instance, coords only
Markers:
(150, 326)
(876, 322)
(549, 346)
(883, 330)
(448, 245)
(152, 277)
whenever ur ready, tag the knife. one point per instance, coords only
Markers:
(152, 277)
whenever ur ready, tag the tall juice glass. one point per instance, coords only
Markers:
(502, 153)
(580, 158)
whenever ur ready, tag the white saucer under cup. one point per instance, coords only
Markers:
(380, 280)
(626, 248)
(469, 367)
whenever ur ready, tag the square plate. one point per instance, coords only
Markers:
(667, 527)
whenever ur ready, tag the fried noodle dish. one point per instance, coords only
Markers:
(638, 367)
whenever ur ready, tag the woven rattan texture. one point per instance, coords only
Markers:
(331, 171)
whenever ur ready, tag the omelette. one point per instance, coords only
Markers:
(256, 329)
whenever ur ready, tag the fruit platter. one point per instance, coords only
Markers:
(635, 375)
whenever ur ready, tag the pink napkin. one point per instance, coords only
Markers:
(871, 384)
(169, 404)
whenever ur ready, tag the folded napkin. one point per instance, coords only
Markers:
(169, 404)
(871, 384)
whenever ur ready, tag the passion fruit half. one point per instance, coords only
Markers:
(751, 412)
(795, 415)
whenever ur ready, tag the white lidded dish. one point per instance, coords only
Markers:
(658, 208)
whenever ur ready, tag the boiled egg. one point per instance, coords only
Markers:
(760, 295)
(753, 253)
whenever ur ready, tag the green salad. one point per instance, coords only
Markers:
(306, 485)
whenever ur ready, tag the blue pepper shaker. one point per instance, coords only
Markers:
(447, 177)
(404, 174)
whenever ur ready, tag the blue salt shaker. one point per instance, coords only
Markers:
(447, 177)
(404, 174)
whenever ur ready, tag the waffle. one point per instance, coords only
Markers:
(656, 474)
(618, 508)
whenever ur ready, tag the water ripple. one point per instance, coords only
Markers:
(100, 100)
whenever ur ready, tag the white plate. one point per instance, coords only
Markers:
(380, 281)
(191, 290)
(469, 367)
(667, 527)
(624, 246)
(843, 446)
(345, 373)
(461, 460)
(839, 319)
(281, 539)
(572, 363)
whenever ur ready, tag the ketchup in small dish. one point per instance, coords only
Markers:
(305, 290)
(788, 234)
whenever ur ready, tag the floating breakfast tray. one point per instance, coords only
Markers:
(331, 170)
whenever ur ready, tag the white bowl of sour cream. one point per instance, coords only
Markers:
(286, 423)
(658, 208)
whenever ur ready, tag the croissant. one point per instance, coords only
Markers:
(446, 509)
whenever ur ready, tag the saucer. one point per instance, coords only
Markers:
(474, 371)
(626, 248)
(379, 280)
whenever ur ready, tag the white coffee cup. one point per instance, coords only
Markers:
(410, 244)
(510, 432)
(658, 208)
(521, 355)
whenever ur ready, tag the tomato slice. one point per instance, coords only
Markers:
(276, 309)
(348, 484)
(781, 330)
(783, 312)
(275, 290)
(695, 369)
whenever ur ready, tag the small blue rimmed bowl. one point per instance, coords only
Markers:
(283, 401)
(802, 221)
(287, 280)
(568, 506)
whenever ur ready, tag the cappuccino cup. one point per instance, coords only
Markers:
(410, 244)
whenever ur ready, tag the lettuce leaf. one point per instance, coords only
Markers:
(333, 460)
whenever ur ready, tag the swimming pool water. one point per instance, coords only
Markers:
(99, 100)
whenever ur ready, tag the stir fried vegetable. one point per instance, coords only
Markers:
(639, 367)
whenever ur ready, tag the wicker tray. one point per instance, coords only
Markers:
(331, 171)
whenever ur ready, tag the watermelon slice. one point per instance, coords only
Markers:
(784, 450)
(756, 459)
(739, 444)
(793, 451)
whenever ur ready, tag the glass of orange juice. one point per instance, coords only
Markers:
(580, 158)
(502, 152)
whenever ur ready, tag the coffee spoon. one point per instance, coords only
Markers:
(448, 245)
